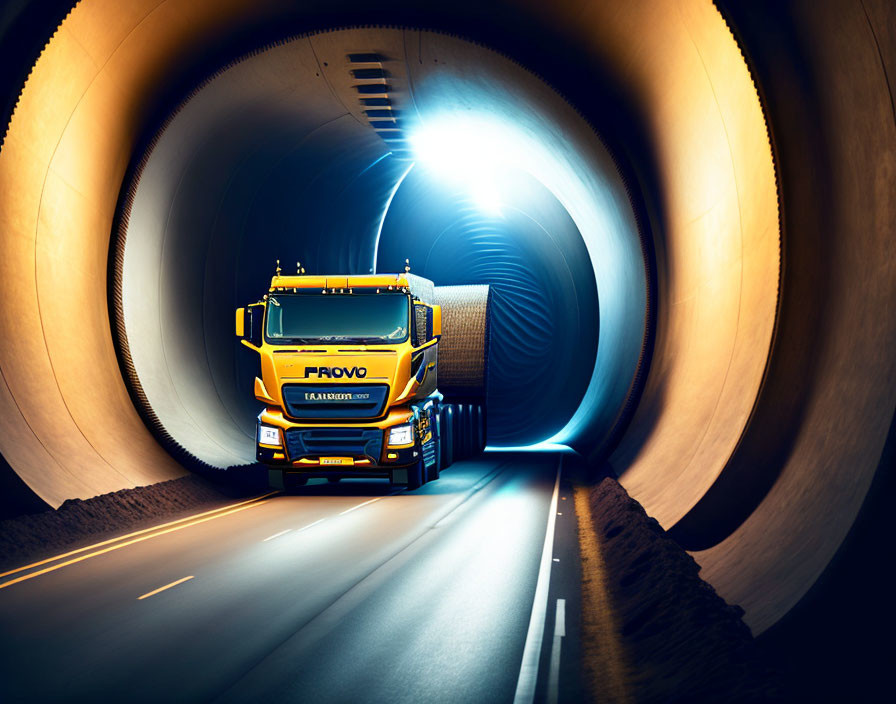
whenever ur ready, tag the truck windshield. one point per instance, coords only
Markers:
(366, 317)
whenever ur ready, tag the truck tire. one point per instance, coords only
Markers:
(470, 430)
(433, 471)
(446, 435)
(480, 429)
(457, 434)
(465, 427)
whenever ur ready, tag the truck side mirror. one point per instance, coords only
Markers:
(434, 322)
(427, 324)
(240, 322)
(248, 323)
(418, 325)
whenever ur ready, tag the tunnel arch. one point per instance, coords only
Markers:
(288, 119)
(69, 428)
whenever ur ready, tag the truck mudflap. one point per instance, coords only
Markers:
(399, 475)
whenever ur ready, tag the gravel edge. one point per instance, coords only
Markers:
(682, 641)
(78, 522)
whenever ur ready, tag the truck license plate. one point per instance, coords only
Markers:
(337, 460)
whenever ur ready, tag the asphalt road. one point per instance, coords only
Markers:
(345, 593)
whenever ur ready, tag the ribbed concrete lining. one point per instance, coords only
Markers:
(463, 350)
(69, 429)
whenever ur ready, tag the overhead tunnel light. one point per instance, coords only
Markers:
(465, 154)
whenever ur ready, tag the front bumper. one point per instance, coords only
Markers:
(322, 463)
(336, 450)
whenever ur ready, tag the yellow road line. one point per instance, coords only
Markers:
(131, 535)
(167, 586)
(52, 568)
(606, 670)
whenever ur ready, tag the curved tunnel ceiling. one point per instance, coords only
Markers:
(692, 132)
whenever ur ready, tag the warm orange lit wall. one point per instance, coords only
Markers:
(839, 214)
(67, 425)
(718, 243)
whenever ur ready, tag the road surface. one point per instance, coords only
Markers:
(342, 593)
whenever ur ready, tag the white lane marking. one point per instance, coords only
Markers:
(167, 586)
(370, 501)
(525, 685)
(559, 633)
(320, 520)
(298, 530)
(560, 623)
(556, 559)
(276, 535)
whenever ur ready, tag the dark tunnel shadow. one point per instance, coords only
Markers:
(346, 487)
(16, 497)
(830, 615)
(454, 479)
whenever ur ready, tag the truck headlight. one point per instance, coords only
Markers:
(401, 435)
(268, 435)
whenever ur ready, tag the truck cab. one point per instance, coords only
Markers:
(348, 377)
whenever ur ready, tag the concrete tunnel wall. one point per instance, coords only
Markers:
(705, 166)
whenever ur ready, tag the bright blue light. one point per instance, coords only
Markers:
(537, 447)
(464, 154)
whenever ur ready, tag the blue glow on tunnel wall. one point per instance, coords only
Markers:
(445, 216)
(501, 195)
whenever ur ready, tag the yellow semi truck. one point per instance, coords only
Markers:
(348, 377)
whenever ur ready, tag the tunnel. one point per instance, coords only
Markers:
(277, 168)
(684, 210)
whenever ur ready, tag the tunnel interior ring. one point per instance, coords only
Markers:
(242, 173)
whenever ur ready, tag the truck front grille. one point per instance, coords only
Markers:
(347, 442)
(334, 401)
